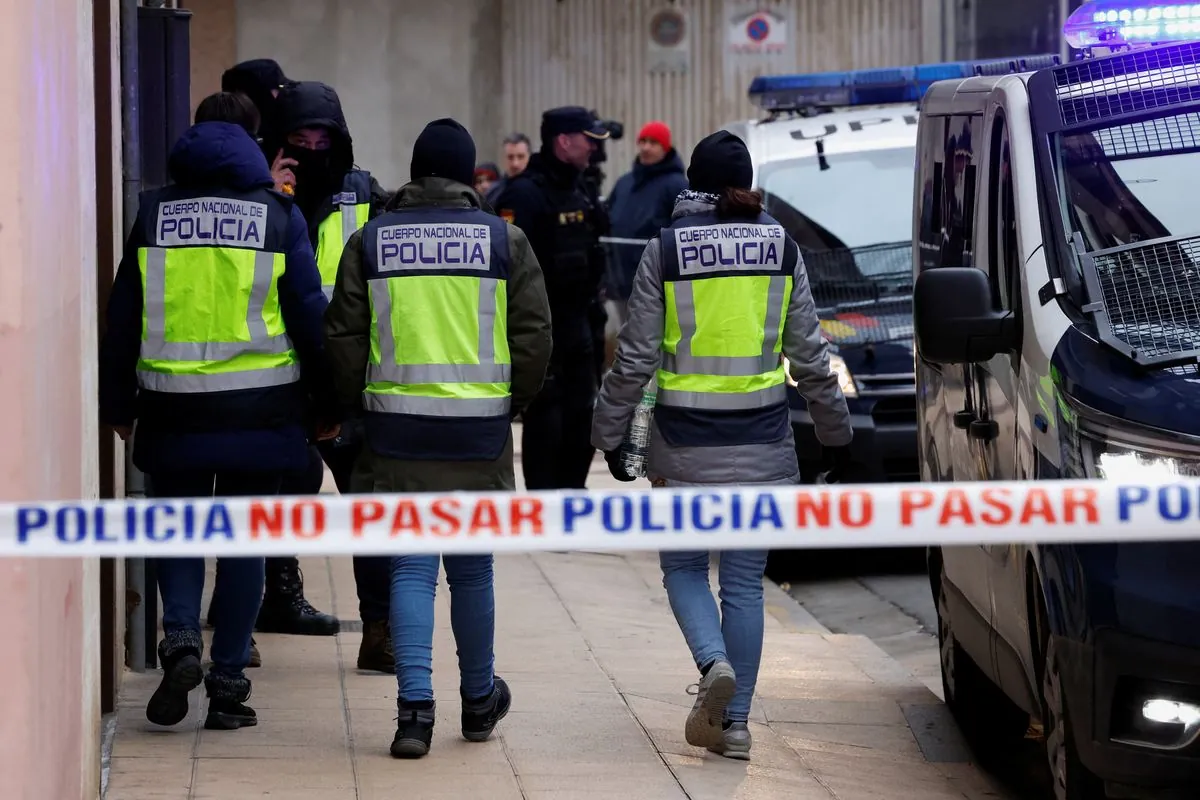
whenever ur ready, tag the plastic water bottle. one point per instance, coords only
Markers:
(637, 439)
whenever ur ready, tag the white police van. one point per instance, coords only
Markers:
(834, 158)
(1057, 315)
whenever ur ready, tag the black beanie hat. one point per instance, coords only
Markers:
(444, 149)
(719, 162)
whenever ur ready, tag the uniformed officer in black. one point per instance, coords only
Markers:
(548, 201)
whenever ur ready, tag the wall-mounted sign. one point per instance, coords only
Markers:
(667, 47)
(757, 31)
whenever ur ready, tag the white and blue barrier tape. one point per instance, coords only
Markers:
(718, 518)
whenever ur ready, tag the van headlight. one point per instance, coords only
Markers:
(1118, 454)
(837, 365)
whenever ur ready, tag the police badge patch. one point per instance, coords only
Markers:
(507, 215)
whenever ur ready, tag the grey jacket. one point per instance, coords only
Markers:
(637, 361)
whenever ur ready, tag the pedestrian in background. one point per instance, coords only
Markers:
(442, 348)
(486, 175)
(640, 205)
(337, 198)
(204, 349)
(517, 151)
(549, 203)
(714, 337)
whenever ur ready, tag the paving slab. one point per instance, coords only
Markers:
(599, 673)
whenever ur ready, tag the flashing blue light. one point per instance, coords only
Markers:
(1123, 23)
(868, 87)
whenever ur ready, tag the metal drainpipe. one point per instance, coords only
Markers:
(131, 168)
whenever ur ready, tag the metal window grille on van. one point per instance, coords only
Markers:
(1143, 294)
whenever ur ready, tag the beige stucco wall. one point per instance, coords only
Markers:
(49, 746)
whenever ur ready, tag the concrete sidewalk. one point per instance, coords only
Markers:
(599, 672)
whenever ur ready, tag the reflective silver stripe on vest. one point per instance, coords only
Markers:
(218, 382)
(408, 374)
(327, 291)
(437, 406)
(349, 221)
(155, 347)
(722, 401)
(682, 362)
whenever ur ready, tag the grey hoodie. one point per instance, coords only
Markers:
(637, 360)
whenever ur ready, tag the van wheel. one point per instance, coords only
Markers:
(1071, 779)
(983, 712)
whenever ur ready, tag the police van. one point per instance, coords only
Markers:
(1057, 318)
(833, 156)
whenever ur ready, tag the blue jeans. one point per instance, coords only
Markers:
(238, 592)
(472, 617)
(736, 633)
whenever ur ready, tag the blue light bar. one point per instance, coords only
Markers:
(868, 87)
(1120, 23)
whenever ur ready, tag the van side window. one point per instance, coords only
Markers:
(1004, 268)
(960, 160)
(931, 185)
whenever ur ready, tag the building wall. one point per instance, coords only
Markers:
(495, 65)
(49, 675)
(599, 54)
(397, 64)
(213, 35)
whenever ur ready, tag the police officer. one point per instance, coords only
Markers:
(215, 308)
(549, 202)
(716, 300)
(440, 329)
(337, 199)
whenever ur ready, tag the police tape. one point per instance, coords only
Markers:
(716, 518)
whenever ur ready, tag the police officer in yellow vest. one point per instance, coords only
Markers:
(215, 312)
(717, 299)
(439, 330)
(310, 145)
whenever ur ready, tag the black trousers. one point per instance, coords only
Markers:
(556, 447)
(372, 574)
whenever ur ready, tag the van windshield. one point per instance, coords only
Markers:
(1131, 183)
(1128, 192)
(859, 199)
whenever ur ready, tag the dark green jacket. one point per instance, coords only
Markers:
(348, 318)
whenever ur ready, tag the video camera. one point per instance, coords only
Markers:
(616, 132)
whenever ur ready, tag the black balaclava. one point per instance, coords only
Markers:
(316, 175)
(444, 149)
(719, 162)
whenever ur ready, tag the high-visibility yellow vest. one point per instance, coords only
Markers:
(438, 383)
(211, 320)
(351, 210)
(726, 286)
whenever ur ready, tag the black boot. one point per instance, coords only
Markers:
(284, 609)
(375, 651)
(179, 653)
(414, 730)
(226, 703)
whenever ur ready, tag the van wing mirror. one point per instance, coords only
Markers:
(955, 320)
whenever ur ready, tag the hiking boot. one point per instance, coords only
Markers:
(284, 609)
(255, 656)
(375, 651)
(226, 703)
(479, 717)
(179, 654)
(713, 693)
(414, 729)
(735, 741)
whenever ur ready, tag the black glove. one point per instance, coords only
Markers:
(613, 457)
(837, 462)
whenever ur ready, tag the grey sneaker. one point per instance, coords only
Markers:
(735, 742)
(713, 693)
